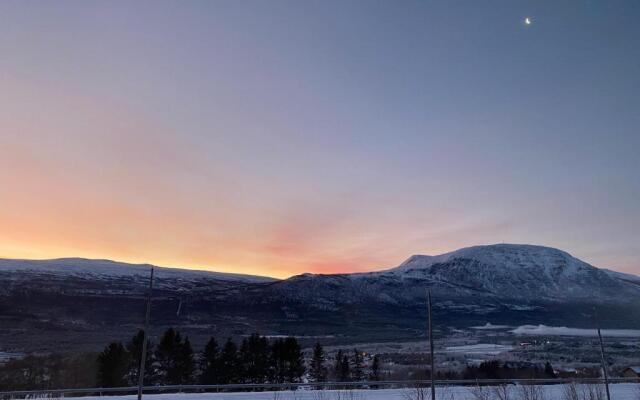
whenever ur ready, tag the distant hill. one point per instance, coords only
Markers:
(108, 268)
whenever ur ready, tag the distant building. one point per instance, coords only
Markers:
(631, 372)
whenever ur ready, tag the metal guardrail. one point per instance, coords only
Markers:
(242, 387)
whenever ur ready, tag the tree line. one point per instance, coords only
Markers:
(172, 361)
(495, 369)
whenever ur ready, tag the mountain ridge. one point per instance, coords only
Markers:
(107, 266)
(503, 284)
(409, 263)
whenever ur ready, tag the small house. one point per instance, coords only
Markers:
(631, 372)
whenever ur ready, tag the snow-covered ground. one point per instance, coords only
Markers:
(621, 391)
(480, 348)
(4, 357)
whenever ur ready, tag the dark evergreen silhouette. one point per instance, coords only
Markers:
(172, 362)
(318, 371)
(166, 355)
(228, 363)
(358, 368)
(186, 363)
(375, 369)
(344, 372)
(548, 370)
(174, 359)
(209, 363)
(134, 347)
(254, 359)
(113, 365)
(287, 362)
(337, 364)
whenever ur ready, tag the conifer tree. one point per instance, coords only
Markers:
(345, 369)
(548, 370)
(169, 355)
(318, 372)
(113, 365)
(295, 368)
(228, 363)
(209, 361)
(337, 367)
(185, 363)
(134, 347)
(375, 369)
(287, 362)
(254, 359)
(358, 369)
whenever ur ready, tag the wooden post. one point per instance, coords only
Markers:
(602, 356)
(143, 356)
(433, 364)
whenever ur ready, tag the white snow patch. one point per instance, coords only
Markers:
(490, 326)
(543, 330)
(480, 348)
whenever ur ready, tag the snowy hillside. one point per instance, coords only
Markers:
(518, 275)
(521, 272)
(512, 256)
(107, 268)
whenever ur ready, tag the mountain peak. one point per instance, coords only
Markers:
(501, 255)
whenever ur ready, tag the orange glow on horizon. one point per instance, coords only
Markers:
(84, 175)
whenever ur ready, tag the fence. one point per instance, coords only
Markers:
(248, 387)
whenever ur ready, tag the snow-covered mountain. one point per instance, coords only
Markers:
(517, 271)
(474, 280)
(92, 301)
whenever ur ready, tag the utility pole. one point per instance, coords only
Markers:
(602, 357)
(433, 364)
(143, 356)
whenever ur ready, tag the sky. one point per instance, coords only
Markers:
(281, 137)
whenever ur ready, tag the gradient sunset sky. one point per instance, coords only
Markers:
(279, 137)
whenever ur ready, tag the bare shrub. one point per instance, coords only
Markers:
(347, 395)
(289, 395)
(424, 393)
(481, 393)
(587, 391)
(571, 391)
(417, 393)
(593, 392)
(445, 394)
(502, 392)
(320, 395)
(531, 392)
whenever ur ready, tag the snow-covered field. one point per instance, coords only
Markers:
(543, 330)
(480, 348)
(621, 391)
